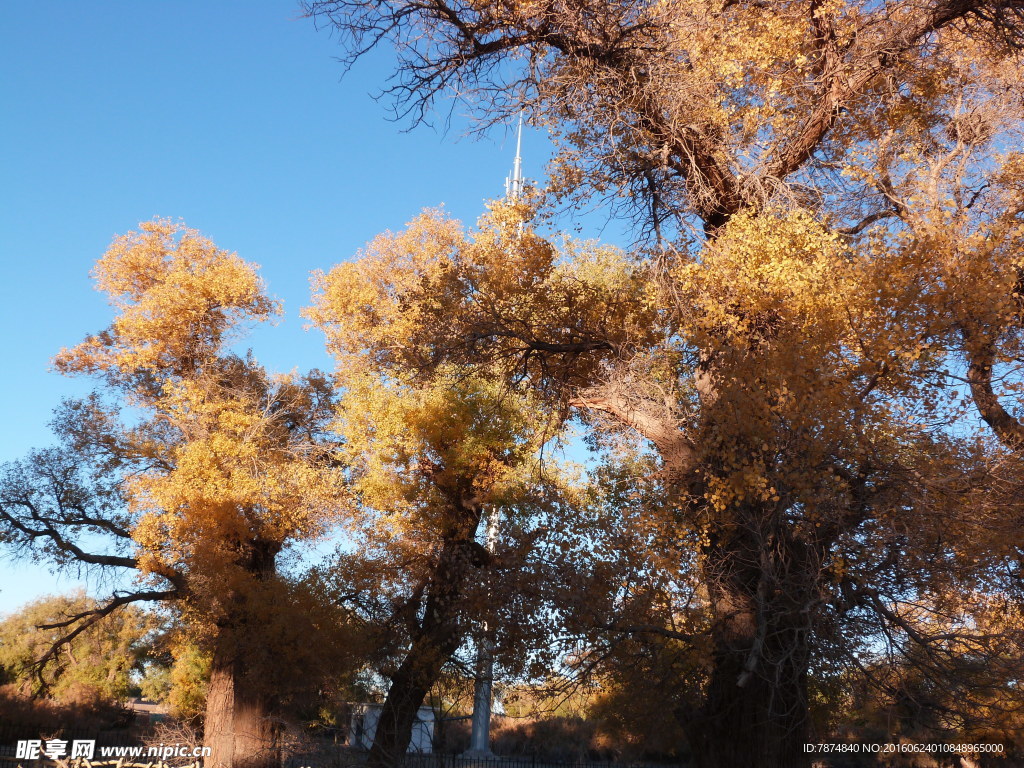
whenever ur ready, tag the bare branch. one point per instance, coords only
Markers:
(87, 619)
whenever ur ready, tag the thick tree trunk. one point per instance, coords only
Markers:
(754, 717)
(241, 724)
(756, 710)
(409, 688)
(240, 729)
(438, 638)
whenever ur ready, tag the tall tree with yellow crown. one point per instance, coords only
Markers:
(827, 198)
(196, 467)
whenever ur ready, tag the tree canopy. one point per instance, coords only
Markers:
(191, 470)
(818, 189)
(802, 382)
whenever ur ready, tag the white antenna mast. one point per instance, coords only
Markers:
(483, 695)
(480, 736)
(514, 183)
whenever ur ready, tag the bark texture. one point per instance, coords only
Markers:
(439, 635)
(241, 729)
(756, 709)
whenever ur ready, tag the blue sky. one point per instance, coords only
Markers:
(231, 116)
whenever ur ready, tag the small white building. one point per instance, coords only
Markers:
(363, 727)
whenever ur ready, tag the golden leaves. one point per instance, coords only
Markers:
(387, 304)
(239, 474)
(430, 427)
(766, 275)
(434, 294)
(177, 295)
(239, 469)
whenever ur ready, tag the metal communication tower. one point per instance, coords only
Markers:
(480, 738)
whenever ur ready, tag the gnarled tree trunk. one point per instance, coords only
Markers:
(409, 687)
(755, 711)
(439, 636)
(240, 729)
(241, 724)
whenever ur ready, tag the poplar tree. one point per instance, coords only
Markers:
(190, 472)
(827, 200)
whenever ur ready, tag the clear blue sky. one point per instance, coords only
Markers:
(232, 116)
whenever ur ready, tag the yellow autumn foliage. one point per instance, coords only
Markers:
(425, 437)
(235, 466)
